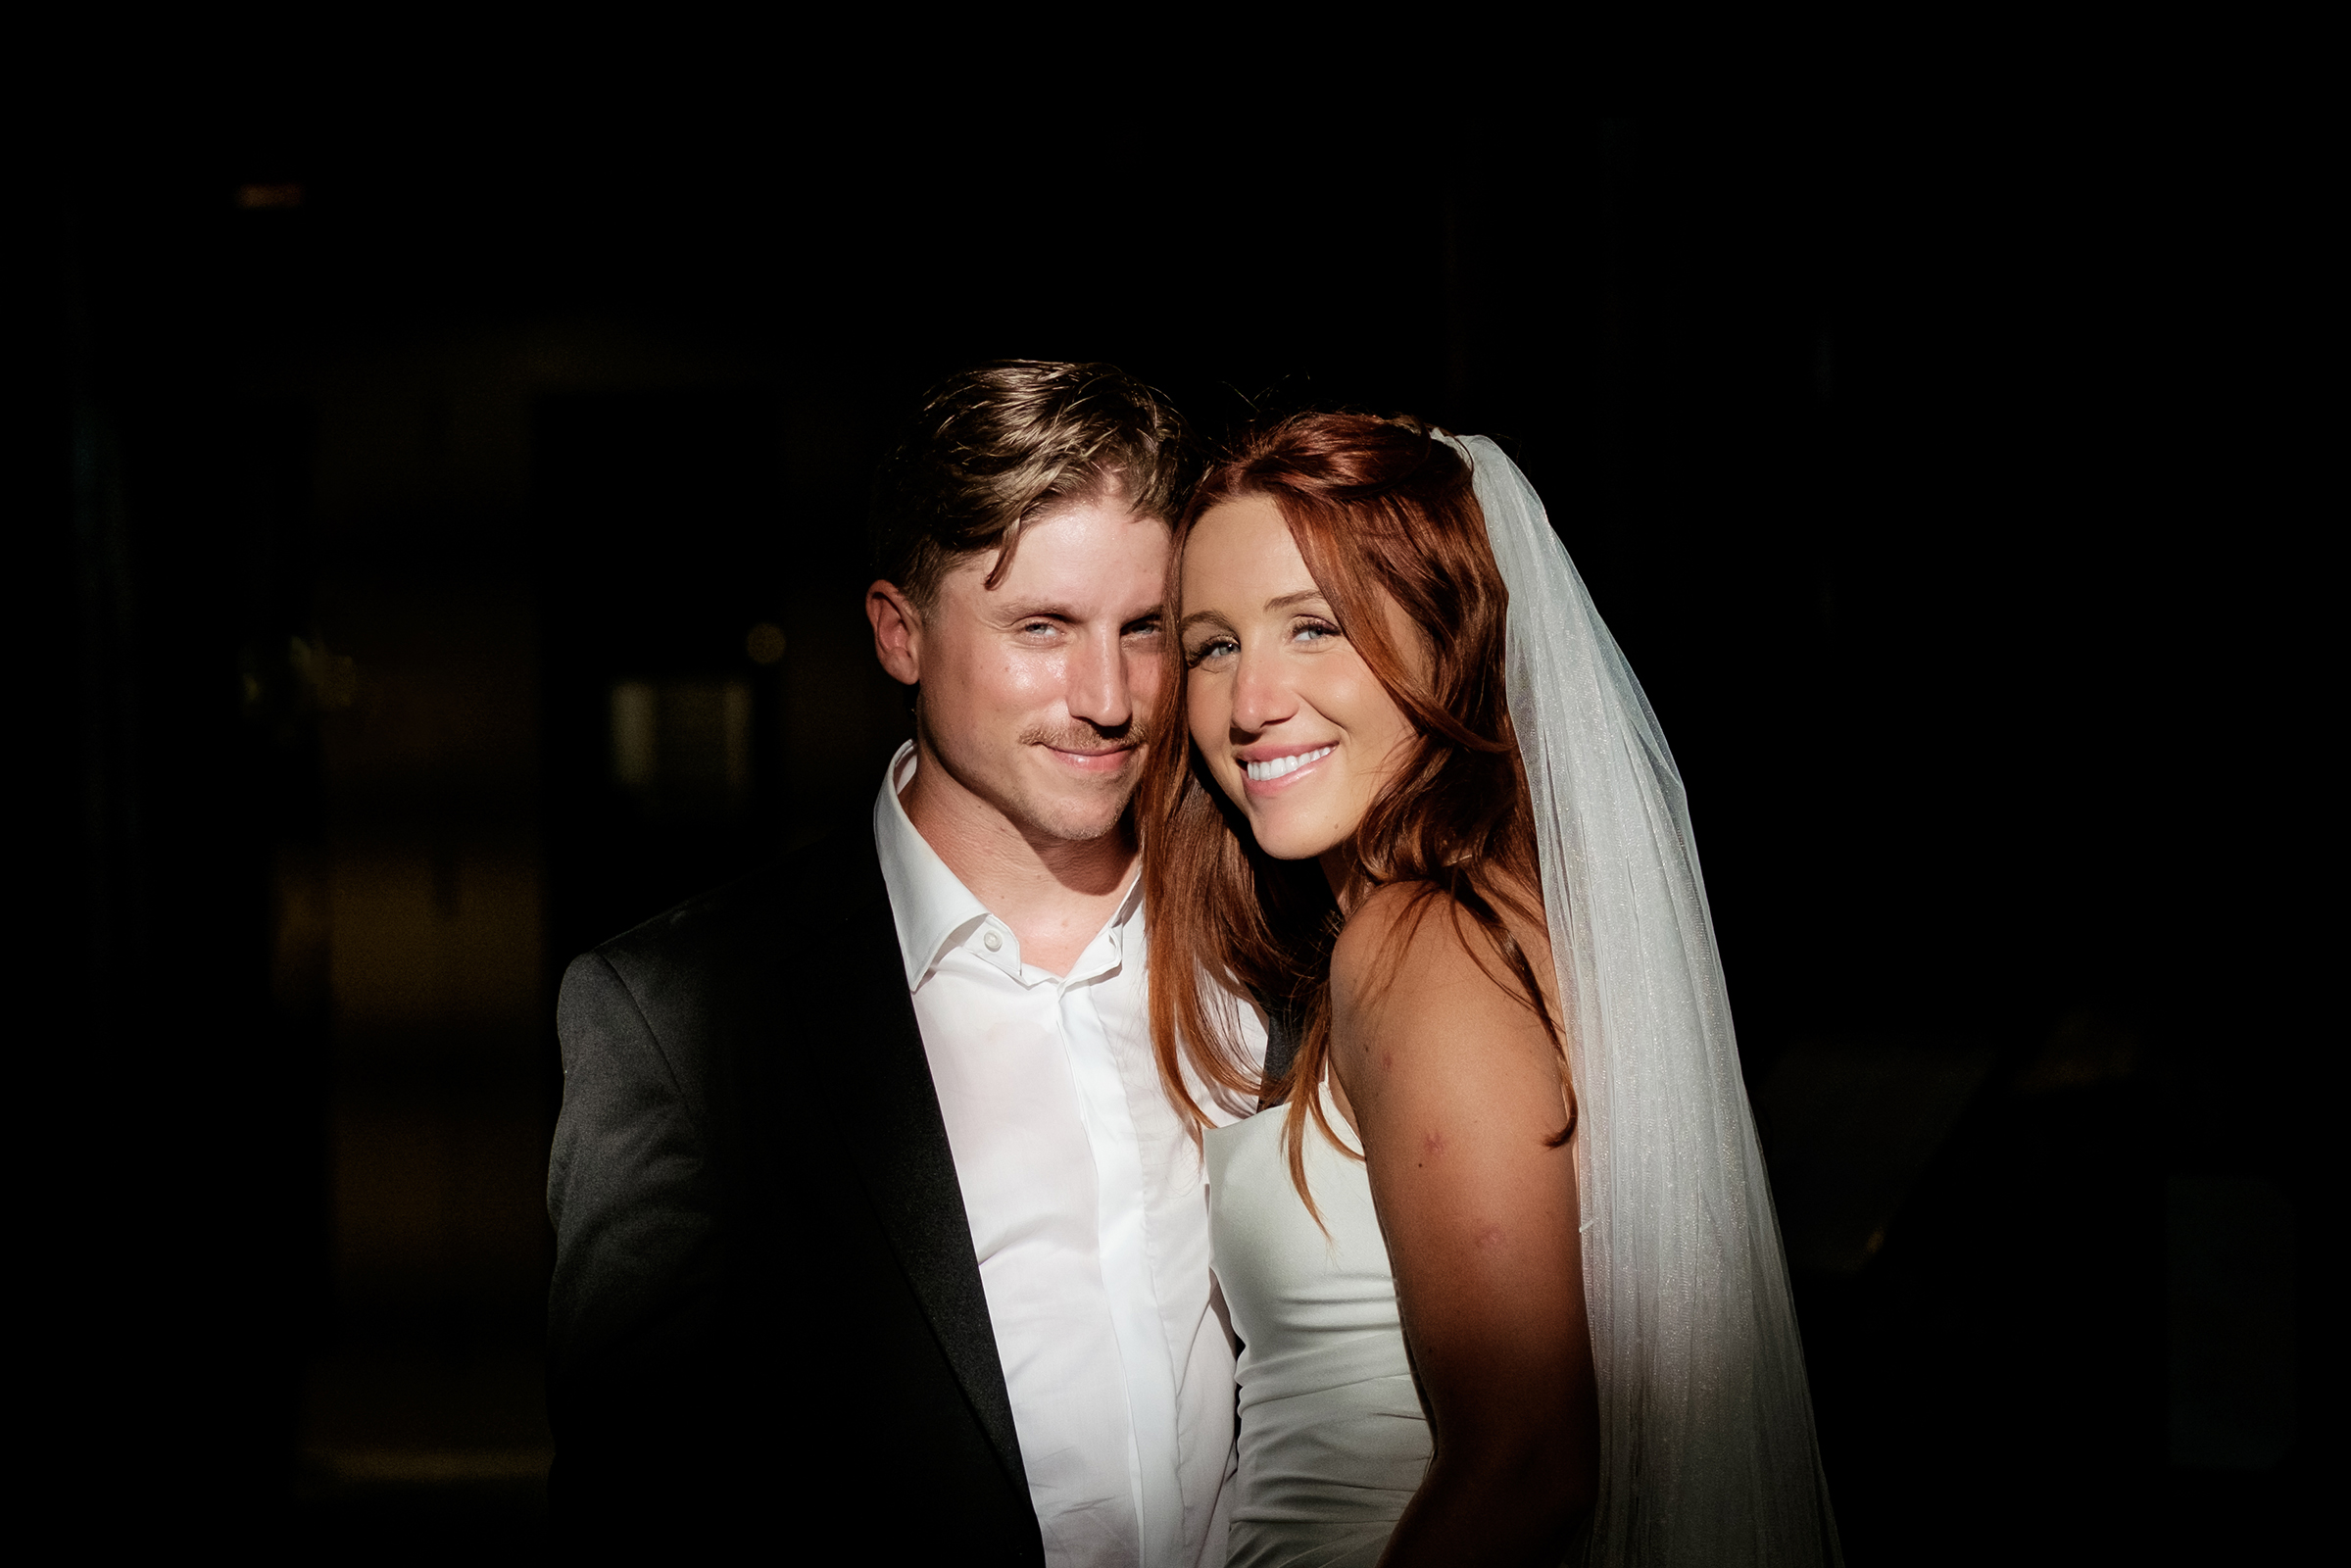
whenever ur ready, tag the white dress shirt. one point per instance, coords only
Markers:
(1087, 1213)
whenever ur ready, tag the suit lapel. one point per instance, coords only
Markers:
(898, 1140)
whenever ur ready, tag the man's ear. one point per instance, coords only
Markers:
(896, 633)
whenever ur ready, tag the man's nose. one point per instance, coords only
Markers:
(1099, 689)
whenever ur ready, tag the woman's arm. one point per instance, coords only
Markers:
(1454, 1089)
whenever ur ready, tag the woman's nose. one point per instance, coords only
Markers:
(1260, 698)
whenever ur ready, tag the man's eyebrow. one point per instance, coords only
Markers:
(1054, 609)
(1035, 609)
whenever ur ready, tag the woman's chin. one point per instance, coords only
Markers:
(1289, 841)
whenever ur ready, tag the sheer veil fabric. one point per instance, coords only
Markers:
(1707, 1453)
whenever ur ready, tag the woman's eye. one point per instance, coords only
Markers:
(1213, 648)
(1312, 631)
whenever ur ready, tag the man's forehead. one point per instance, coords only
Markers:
(1104, 521)
(1092, 554)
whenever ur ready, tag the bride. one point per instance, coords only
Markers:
(1504, 1267)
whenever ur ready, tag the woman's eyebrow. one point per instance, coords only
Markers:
(1305, 595)
(1201, 618)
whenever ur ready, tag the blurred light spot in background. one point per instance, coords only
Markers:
(2230, 1255)
(2086, 1050)
(329, 680)
(682, 748)
(765, 643)
(1851, 1125)
(633, 761)
(252, 198)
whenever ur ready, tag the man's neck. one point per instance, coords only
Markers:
(1053, 892)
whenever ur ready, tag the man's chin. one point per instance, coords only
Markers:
(1073, 822)
(1089, 810)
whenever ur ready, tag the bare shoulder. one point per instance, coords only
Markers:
(1402, 931)
(1416, 982)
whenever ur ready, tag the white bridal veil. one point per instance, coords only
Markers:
(1707, 1456)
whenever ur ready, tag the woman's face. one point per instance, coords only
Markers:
(1292, 721)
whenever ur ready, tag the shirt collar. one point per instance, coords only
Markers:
(932, 907)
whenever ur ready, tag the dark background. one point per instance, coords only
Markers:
(1945, 480)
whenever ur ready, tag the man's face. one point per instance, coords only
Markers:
(1037, 694)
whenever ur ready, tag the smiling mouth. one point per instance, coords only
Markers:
(1103, 762)
(1268, 771)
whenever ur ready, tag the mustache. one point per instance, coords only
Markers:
(1084, 736)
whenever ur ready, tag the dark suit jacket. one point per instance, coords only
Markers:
(767, 1321)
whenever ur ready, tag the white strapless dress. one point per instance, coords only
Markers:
(1333, 1441)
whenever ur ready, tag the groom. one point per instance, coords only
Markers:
(876, 1238)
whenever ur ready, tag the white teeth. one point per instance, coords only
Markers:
(1260, 772)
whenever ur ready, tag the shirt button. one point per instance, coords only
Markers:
(995, 942)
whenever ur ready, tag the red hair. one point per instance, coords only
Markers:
(1380, 511)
